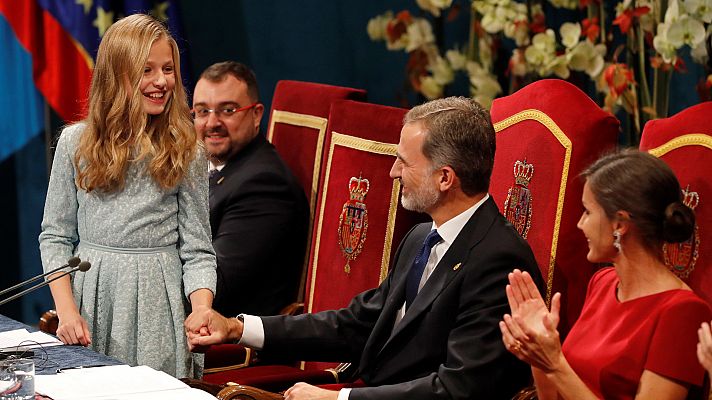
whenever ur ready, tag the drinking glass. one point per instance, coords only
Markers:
(17, 379)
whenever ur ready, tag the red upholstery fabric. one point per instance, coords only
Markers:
(296, 142)
(225, 355)
(297, 129)
(559, 130)
(684, 142)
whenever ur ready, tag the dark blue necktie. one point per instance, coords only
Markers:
(212, 173)
(416, 271)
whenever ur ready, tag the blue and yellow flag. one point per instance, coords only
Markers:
(51, 46)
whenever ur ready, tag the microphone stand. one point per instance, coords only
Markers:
(83, 266)
(72, 262)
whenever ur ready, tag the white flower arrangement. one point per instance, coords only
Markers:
(657, 31)
(434, 6)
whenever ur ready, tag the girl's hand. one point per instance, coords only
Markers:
(73, 329)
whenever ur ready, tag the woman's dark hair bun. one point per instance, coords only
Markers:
(679, 222)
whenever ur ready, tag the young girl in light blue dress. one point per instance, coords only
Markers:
(128, 192)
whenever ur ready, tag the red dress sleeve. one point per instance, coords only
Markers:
(673, 348)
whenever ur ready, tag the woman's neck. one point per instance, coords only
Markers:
(642, 273)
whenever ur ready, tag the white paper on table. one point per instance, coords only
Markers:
(182, 394)
(24, 338)
(110, 382)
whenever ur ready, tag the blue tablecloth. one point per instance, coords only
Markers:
(48, 360)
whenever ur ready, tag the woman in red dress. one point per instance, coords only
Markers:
(636, 336)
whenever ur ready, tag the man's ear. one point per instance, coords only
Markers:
(259, 111)
(447, 179)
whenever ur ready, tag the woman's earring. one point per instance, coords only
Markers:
(617, 240)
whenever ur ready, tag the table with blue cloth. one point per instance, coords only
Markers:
(51, 359)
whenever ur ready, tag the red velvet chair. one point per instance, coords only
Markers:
(297, 129)
(684, 142)
(362, 144)
(357, 228)
(547, 133)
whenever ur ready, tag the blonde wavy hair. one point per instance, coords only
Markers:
(118, 130)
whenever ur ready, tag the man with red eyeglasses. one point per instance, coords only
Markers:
(256, 204)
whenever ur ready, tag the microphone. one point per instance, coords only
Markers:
(71, 263)
(82, 266)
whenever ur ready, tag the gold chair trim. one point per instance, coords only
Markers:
(390, 228)
(306, 121)
(313, 122)
(333, 372)
(542, 118)
(370, 146)
(692, 139)
(248, 354)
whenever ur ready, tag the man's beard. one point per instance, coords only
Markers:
(217, 154)
(422, 199)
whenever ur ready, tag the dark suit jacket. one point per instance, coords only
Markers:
(259, 218)
(448, 345)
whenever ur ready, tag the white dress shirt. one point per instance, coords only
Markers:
(448, 232)
(212, 166)
(253, 334)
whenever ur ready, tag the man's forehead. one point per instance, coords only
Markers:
(220, 92)
(412, 131)
(411, 141)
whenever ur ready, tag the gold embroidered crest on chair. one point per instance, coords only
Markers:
(517, 206)
(547, 133)
(297, 129)
(684, 142)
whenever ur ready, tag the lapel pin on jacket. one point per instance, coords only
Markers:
(456, 266)
(222, 178)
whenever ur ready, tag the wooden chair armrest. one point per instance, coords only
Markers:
(49, 321)
(211, 388)
(292, 309)
(344, 372)
(528, 393)
(242, 392)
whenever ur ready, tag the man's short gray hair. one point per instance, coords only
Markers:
(460, 135)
